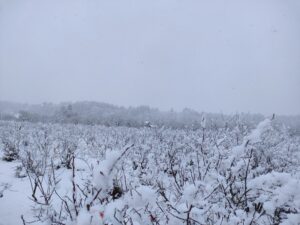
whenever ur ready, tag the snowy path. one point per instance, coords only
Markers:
(15, 201)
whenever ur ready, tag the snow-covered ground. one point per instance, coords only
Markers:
(75, 174)
(15, 192)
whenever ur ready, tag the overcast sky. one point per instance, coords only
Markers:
(215, 55)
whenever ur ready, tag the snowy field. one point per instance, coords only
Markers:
(80, 174)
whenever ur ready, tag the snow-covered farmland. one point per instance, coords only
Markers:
(80, 174)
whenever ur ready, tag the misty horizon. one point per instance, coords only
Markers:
(208, 56)
(172, 109)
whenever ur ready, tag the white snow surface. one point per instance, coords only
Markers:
(15, 201)
(206, 176)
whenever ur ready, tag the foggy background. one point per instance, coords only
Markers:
(215, 56)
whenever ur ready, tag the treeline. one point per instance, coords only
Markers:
(86, 112)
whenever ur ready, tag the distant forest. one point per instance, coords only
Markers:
(95, 113)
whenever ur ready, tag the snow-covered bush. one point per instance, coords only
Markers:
(11, 142)
(85, 175)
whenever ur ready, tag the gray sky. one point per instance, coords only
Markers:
(215, 55)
